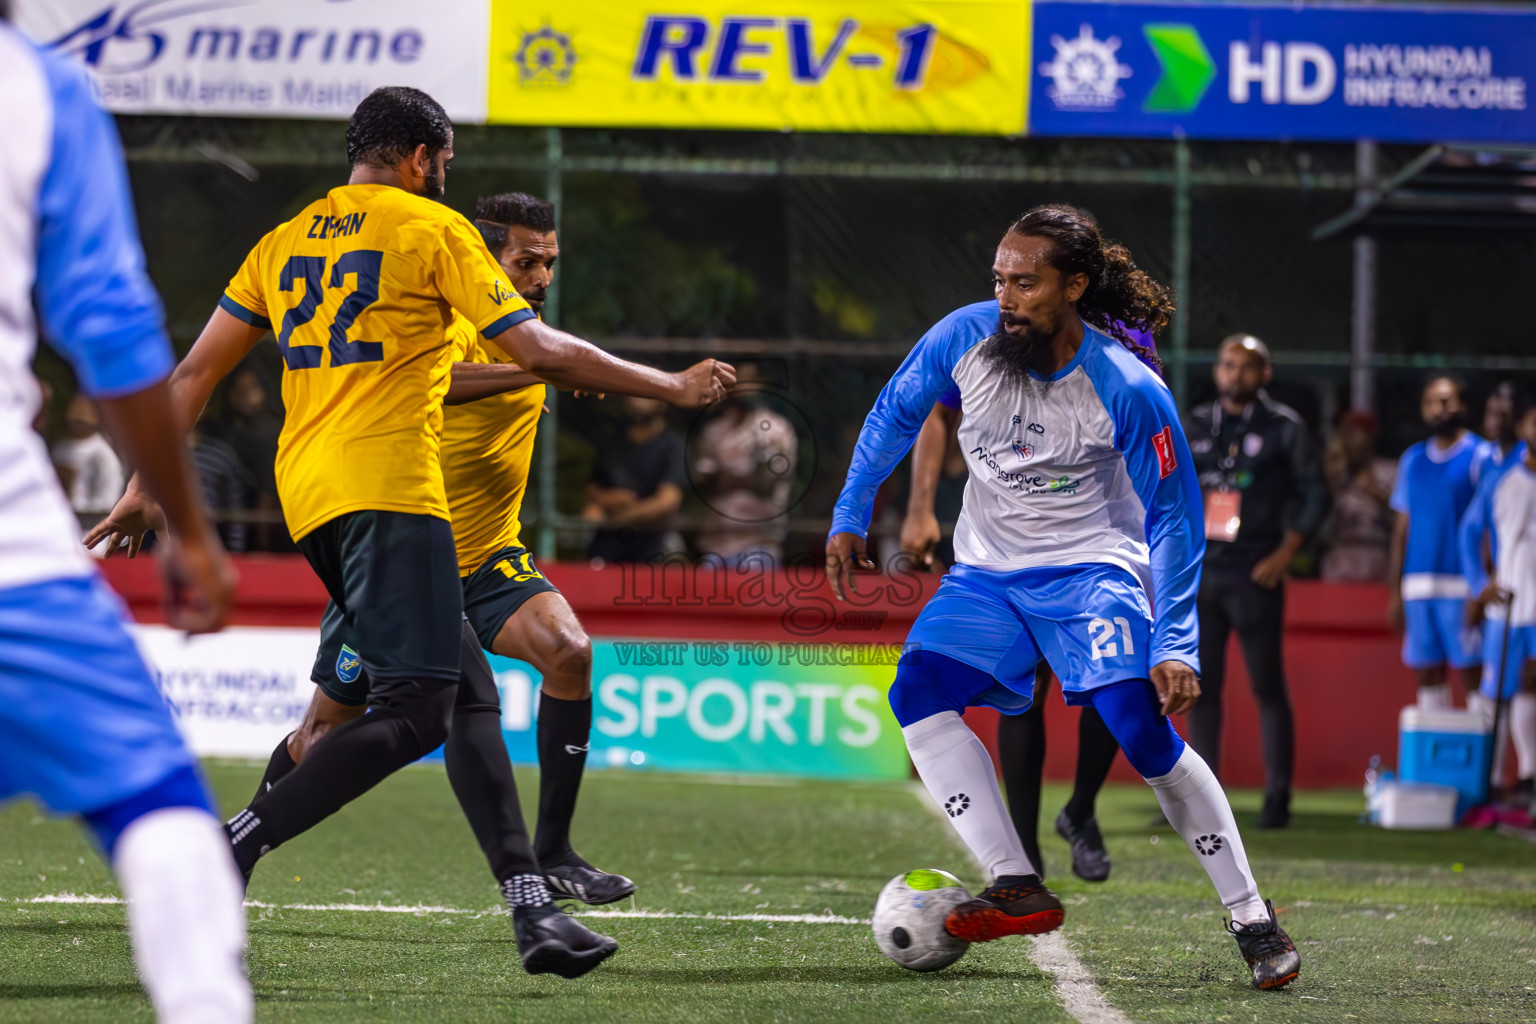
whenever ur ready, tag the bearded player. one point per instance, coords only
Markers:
(489, 420)
(1062, 553)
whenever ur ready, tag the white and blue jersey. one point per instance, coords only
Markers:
(1503, 515)
(1434, 487)
(82, 726)
(1081, 517)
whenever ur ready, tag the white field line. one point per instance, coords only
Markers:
(1075, 986)
(421, 910)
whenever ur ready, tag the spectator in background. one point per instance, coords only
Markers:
(87, 466)
(227, 486)
(1361, 483)
(1264, 496)
(744, 468)
(636, 487)
(251, 428)
(1435, 482)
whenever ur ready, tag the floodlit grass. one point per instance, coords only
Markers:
(1390, 930)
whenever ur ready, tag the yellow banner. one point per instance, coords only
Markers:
(941, 66)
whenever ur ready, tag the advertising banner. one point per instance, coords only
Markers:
(810, 709)
(268, 58)
(1305, 72)
(944, 66)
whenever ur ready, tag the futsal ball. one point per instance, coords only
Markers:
(909, 919)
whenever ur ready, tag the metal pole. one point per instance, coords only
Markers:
(1362, 342)
(554, 148)
(1178, 360)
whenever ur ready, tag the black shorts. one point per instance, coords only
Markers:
(396, 604)
(493, 592)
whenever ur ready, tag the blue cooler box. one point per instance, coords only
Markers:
(1447, 748)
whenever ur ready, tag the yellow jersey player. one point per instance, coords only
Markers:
(488, 430)
(360, 289)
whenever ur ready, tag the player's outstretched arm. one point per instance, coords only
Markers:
(199, 580)
(472, 382)
(218, 350)
(920, 532)
(568, 362)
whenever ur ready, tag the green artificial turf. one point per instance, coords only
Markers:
(1390, 929)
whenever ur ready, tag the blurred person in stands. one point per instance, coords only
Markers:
(1264, 496)
(636, 487)
(87, 465)
(227, 486)
(1361, 482)
(1435, 482)
(250, 428)
(744, 469)
(1497, 547)
(83, 728)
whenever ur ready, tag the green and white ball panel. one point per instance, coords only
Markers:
(909, 919)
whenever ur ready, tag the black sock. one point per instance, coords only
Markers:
(481, 775)
(1096, 750)
(1021, 749)
(565, 729)
(409, 719)
(1005, 880)
(280, 765)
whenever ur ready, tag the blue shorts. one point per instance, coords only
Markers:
(1522, 648)
(1435, 633)
(1092, 624)
(82, 725)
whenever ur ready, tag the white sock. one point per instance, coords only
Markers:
(959, 775)
(185, 916)
(1522, 715)
(1434, 698)
(1195, 805)
(1485, 707)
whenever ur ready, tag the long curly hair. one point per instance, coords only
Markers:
(1119, 295)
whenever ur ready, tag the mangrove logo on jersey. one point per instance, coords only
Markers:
(858, 65)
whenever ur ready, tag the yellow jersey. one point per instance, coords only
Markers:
(487, 449)
(360, 289)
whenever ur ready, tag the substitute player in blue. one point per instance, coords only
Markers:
(1435, 481)
(1499, 529)
(82, 726)
(1082, 515)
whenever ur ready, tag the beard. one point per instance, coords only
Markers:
(535, 300)
(432, 186)
(1017, 357)
(1448, 426)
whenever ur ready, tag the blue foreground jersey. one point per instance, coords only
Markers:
(1088, 467)
(82, 725)
(1434, 487)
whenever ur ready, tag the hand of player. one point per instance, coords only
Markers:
(1395, 611)
(920, 534)
(845, 553)
(1477, 607)
(703, 384)
(1270, 570)
(135, 514)
(199, 582)
(1177, 686)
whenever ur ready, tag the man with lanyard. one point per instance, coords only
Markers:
(1264, 496)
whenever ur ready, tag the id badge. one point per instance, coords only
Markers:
(1223, 514)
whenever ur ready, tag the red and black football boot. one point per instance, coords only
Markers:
(1272, 957)
(1019, 906)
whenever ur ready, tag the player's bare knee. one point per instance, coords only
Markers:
(567, 665)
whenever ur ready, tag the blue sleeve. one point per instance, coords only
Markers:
(1399, 500)
(1151, 440)
(1476, 523)
(950, 399)
(93, 295)
(892, 425)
